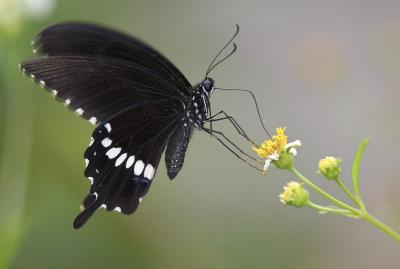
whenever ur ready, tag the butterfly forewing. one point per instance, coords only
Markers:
(76, 38)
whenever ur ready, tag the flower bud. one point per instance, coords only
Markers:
(329, 167)
(294, 194)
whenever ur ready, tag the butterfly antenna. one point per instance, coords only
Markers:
(210, 67)
(255, 102)
(223, 59)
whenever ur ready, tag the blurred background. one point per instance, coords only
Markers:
(327, 70)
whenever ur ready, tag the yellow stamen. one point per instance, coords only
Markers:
(274, 145)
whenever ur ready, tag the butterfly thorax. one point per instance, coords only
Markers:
(198, 108)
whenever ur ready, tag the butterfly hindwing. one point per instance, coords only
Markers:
(123, 156)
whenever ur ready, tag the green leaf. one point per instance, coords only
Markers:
(356, 171)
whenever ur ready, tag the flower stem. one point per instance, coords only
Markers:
(344, 188)
(324, 209)
(324, 193)
(381, 226)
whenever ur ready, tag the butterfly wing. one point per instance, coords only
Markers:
(97, 87)
(134, 96)
(123, 156)
(78, 38)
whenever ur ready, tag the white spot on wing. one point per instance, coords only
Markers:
(149, 172)
(91, 141)
(118, 209)
(120, 159)
(106, 142)
(42, 83)
(33, 76)
(67, 102)
(113, 152)
(93, 120)
(54, 92)
(108, 127)
(104, 206)
(96, 195)
(138, 169)
(80, 111)
(91, 180)
(86, 162)
(130, 161)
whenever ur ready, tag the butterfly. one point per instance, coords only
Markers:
(140, 103)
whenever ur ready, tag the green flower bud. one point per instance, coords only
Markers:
(329, 167)
(294, 194)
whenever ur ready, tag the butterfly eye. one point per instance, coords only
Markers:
(208, 84)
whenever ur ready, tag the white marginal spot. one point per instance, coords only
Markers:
(118, 209)
(80, 111)
(33, 76)
(113, 152)
(106, 142)
(54, 92)
(108, 127)
(86, 162)
(104, 206)
(42, 83)
(140, 199)
(93, 120)
(120, 159)
(91, 180)
(96, 195)
(138, 169)
(67, 102)
(130, 161)
(91, 141)
(149, 172)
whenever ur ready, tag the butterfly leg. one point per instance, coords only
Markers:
(232, 120)
(227, 143)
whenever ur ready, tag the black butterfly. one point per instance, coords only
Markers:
(140, 103)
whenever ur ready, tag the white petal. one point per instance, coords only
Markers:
(296, 143)
(293, 151)
(274, 156)
(267, 164)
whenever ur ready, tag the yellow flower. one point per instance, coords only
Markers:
(294, 194)
(329, 167)
(273, 149)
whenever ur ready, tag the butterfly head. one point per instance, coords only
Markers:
(207, 85)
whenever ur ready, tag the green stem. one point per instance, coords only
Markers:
(324, 193)
(381, 226)
(330, 210)
(347, 191)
